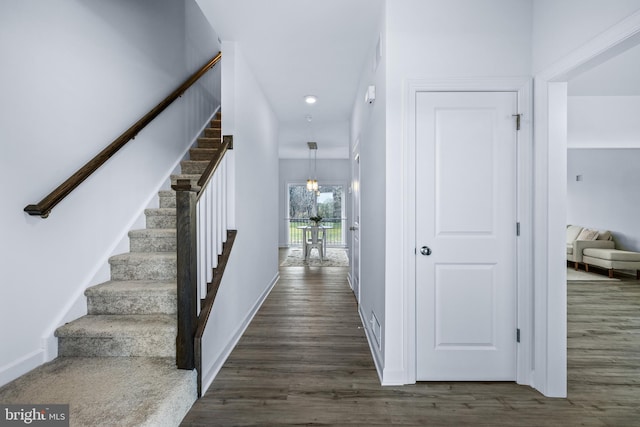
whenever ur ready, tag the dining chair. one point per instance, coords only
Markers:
(315, 240)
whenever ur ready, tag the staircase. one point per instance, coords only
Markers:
(134, 314)
(131, 323)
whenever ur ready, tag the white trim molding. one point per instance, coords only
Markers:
(378, 362)
(21, 366)
(550, 189)
(523, 87)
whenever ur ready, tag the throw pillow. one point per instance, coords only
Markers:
(588, 234)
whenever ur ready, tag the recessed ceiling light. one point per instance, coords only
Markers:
(310, 99)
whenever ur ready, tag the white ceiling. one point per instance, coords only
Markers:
(301, 47)
(619, 76)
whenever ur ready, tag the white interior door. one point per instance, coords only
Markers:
(355, 227)
(466, 236)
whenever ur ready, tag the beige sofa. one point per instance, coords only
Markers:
(579, 238)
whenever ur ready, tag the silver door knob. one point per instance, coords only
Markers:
(425, 250)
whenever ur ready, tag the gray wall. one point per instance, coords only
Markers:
(608, 197)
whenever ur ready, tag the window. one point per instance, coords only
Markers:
(328, 203)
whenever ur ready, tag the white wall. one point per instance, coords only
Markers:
(76, 75)
(253, 267)
(608, 195)
(434, 40)
(603, 122)
(368, 131)
(296, 172)
(559, 27)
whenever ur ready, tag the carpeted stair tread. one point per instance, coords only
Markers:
(133, 257)
(143, 266)
(167, 199)
(97, 325)
(149, 335)
(110, 391)
(133, 297)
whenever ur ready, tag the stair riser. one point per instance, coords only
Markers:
(212, 132)
(211, 143)
(167, 201)
(191, 167)
(161, 221)
(150, 270)
(202, 153)
(156, 345)
(153, 244)
(117, 304)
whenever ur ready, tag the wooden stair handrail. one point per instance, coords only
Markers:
(44, 207)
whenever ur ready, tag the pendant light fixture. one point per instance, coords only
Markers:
(312, 183)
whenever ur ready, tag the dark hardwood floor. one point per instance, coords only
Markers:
(304, 360)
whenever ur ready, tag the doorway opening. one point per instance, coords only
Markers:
(550, 375)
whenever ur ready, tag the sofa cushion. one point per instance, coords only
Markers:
(572, 233)
(588, 234)
(612, 254)
(569, 249)
(604, 235)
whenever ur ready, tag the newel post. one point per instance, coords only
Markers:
(187, 265)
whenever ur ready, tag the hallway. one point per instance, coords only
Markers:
(305, 360)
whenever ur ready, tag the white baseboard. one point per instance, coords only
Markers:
(21, 366)
(372, 347)
(394, 377)
(50, 346)
(212, 372)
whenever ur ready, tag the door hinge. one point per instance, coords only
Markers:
(517, 228)
(518, 335)
(517, 116)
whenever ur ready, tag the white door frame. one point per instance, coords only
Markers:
(355, 213)
(523, 87)
(550, 375)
